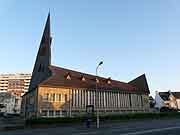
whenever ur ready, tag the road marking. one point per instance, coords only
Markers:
(85, 133)
(130, 133)
(150, 131)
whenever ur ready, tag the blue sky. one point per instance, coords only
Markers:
(132, 37)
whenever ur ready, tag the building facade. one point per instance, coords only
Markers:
(12, 87)
(17, 84)
(59, 92)
(9, 103)
(168, 99)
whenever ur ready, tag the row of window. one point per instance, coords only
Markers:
(52, 113)
(81, 98)
(55, 97)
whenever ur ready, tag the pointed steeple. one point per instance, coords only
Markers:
(45, 45)
(43, 59)
(46, 38)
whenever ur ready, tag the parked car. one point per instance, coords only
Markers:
(167, 109)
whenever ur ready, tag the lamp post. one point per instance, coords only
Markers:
(97, 95)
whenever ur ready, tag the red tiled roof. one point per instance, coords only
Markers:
(58, 79)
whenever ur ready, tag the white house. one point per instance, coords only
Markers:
(167, 99)
(10, 104)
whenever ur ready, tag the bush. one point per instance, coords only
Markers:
(53, 120)
(121, 117)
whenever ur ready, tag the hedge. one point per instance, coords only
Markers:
(105, 118)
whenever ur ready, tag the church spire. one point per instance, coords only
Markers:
(45, 45)
(46, 38)
(43, 59)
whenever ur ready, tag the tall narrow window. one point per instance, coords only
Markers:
(75, 100)
(130, 102)
(72, 98)
(53, 96)
(85, 98)
(39, 69)
(58, 97)
(142, 101)
(118, 100)
(65, 96)
(79, 98)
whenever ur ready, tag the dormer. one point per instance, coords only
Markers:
(68, 76)
(83, 78)
(108, 81)
(97, 80)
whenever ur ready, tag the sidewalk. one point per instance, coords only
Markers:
(11, 123)
(105, 128)
(82, 126)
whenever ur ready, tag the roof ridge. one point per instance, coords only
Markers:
(89, 74)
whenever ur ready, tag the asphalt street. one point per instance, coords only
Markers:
(145, 127)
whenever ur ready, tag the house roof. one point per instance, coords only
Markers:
(164, 95)
(59, 79)
(141, 83)
(176, 94)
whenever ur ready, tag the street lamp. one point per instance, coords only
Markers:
(97, 95)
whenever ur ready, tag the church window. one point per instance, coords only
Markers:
(58, 97)
(52, 97)
(51, 113)
(41, 68)
(31, 100)
(44, 113)
(45, 97)
(142, 101)
(65, 96)
(130, 102)
(58, 113)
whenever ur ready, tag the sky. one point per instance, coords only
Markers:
(131, 37)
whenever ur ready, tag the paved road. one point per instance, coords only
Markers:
(146, 127)
(9, 122)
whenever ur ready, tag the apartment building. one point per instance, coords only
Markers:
(17, 84)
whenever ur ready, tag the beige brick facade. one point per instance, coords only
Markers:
(60, 102)
(53, 99)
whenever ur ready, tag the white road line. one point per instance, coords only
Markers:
(150, 131)
(85, 133)
(130, 133)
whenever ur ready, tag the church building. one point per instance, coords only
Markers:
(58, 92)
